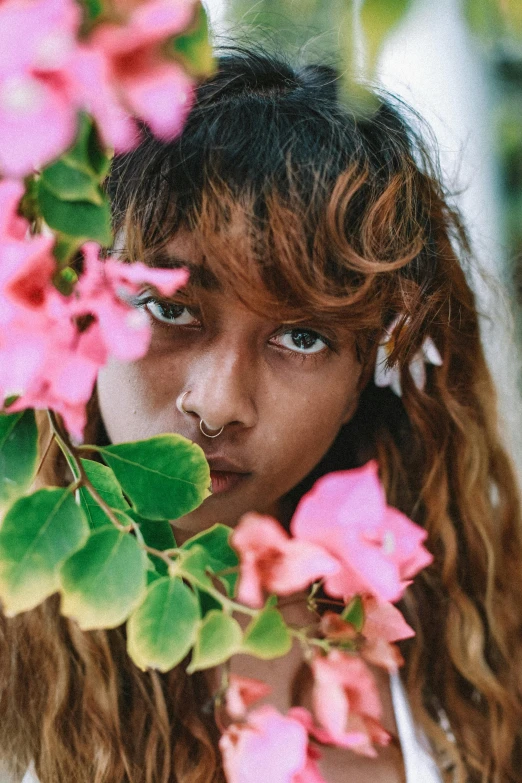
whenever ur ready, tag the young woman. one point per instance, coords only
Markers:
(311, 231)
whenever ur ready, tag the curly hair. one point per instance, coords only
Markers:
(303, 205)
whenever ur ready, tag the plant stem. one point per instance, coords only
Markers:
(79, 473)
(65, 445)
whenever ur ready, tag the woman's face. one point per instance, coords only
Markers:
(281, 393)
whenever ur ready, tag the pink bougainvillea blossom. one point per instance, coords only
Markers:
(119, 73)
(123, 67)
(242, 692)
(273, 561)
(105, 289)
(37, 108)
(382, 620)
(27, 264)
(333, 627)
(268, 748)
(65, 379)
(383, 624)
(44, 357)
(379, 548)
(346, 702)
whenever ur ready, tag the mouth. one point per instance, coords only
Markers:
(224, 481)
(224, 475)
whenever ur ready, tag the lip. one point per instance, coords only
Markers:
(224, 481)
(225, 474)
(224, 465)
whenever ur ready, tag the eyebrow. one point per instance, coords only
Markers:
(199, 275)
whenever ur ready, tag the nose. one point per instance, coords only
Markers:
(220, 388)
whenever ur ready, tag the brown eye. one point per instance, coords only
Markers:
(304, 341)
(169, 312)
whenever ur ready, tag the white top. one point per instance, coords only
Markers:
(419, 764)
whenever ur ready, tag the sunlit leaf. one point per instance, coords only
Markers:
(163, 628)
(267, 636)
(193, 566)
(165, 477)
(18, 454)
(38, 533)
(219, 637)
(105, 580)
(76, 218)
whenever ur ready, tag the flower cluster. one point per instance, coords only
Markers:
(47, 361)
(48, 73)
(363, 552)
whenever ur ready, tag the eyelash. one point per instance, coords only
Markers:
(300, 355)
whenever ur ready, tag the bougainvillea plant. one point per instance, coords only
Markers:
(76, 81)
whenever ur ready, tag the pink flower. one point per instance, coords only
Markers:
(120, 73)
(383, 624)
(382, 620)
(270, 560)
(104, 290)
(379, 549)
(44, 358)
(66, 376)
(346, 702)
(242, 692)
(123, 71)
(37, 109)
(268, 748)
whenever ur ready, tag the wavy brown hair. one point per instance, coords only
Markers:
(303, 206)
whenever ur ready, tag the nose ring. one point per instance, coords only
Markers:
(206, 434)
(202, 424)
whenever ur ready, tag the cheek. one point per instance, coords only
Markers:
(124, 402)
(303, 427)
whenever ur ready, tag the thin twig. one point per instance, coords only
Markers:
(82, 479)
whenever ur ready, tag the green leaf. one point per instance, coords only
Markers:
(105, 580)
(92, 9)
(157, 534)
(193, 566)
(64, 249)
(207, 602)
(152, 573)
(354, 613)
(69, 183)
(87, 152)
(18, 454)
(104, 481)
(65, 279)
(378, 18)
(76, 218)
(219, 637)
(165, 477)
(38, 533)
(194, 48)
(163, 628)
(220, 555)
(267, 636)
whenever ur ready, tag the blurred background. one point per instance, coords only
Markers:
(459, 64)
